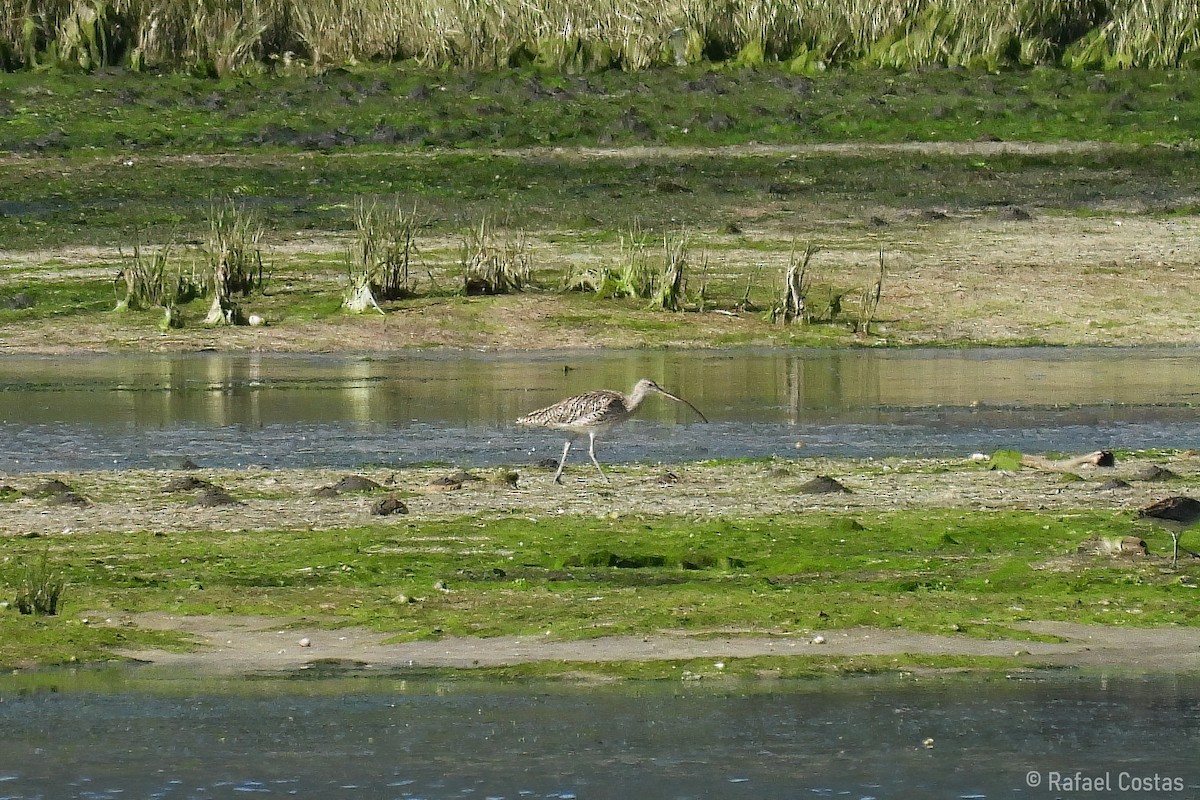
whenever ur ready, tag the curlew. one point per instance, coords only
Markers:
(592, 413)
(1176, 514)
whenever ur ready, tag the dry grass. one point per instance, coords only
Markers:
(1060, 280)
(222, 36)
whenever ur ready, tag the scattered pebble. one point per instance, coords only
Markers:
(818, 639)
(305, 642)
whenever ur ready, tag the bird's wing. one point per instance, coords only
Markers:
(582, 410)
(1173, 509)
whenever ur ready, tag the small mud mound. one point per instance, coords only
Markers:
(451, 482)
(213, 497)
(1015, 214)
(822, 484)
(1155, 473)
(49, 489)
(348, 483)
(1112, 485)
(186, 484)
(462, 476)
(69, 499)
(355, 483)
(388, 506)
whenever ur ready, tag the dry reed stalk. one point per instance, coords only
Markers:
(220, 36)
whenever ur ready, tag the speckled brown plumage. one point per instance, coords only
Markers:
(593, 412)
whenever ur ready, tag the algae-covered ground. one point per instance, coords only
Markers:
(939, 563)
(1027, 207)
(1017, 208)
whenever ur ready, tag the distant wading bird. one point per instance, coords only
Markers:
(1176, 514)
(592, 413)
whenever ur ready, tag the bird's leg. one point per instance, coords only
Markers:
(561, 462)
(1175, 550)
(592, 453)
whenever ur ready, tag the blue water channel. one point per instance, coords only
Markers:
(893, 737)
(136, 733)
(233, 410)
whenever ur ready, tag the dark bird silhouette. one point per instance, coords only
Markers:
(1176, 514)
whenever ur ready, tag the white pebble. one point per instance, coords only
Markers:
(305, 642)
(818, 639)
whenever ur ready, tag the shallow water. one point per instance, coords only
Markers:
(379, 738)
(116, 735)
(221, 410)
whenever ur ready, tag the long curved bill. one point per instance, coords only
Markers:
(685, 402)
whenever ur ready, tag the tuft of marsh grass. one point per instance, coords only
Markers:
(41, 587)
(672, 279)
(149, 282)
(494, 262)
(379, 263)
(234, 258)
(797, 281)
(633, 275)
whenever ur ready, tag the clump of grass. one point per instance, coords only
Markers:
(671, 285)
(149, 283)
(379, 264)
(41, 587)
(1147, 35)
(797, 282)
(493, 262)
(638, 275)
(234, 260)
(633, 275)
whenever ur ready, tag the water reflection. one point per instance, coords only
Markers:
(300, 410)
(386, 738)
